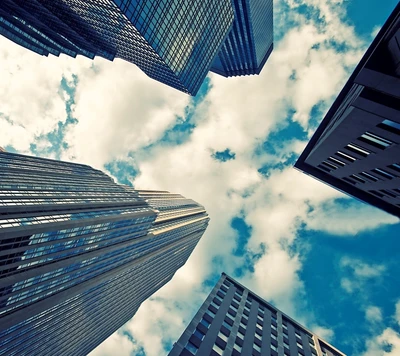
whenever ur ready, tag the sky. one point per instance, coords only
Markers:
(327, 260)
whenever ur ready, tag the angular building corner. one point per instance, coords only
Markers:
(235, 321)
(356, 148)
(80, 253)
(250, 41)
(174, 42)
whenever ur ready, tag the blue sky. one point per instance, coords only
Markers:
(327, 260)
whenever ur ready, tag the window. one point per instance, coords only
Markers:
(357, 149)
(273, 336)
(205, 323)
(199, 334)
(273, 347)
(395, 167)
(258, 336)
(383, 173)
(390, 126)
(191, 347)
(240, 334)
(300, 346)
(369, 176)
(345, 156)
(217, 349)
(237, 347)
(224, 323)
(223, 336)
(375, 140)
(336, 161)
(256, 347)
(273, 327)
(210, 313)
(214, 305)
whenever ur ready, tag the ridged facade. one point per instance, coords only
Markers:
(171, 41)
(234, 321)
(80, 253)
(250, 41)
(356, 149)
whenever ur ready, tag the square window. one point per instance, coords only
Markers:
(224, 323)
(205, 323)
(217, 349)
(192, 348)
(237, 347)
(256, 347)
(223, 336)
(199, 334)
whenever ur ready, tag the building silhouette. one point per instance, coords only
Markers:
(356, 147)
(80, 253)
(235, 321)
(174, 42)
(250, 41)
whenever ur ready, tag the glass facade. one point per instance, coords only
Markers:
(234, 321)
(250, 41)
(172, 41)
(77, 248)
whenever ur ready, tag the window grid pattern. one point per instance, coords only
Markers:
(369, 145)
(234, 321)
(172, 41)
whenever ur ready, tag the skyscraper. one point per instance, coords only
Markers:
(235, 321)
(80, 253)
(172, 41)
(250, 41)
(356, 148)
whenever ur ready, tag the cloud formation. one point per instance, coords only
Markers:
(120, 117)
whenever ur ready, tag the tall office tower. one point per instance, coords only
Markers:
(172, 41)
(235, 321)
(80, 253)
(250, 41)
(356, 148)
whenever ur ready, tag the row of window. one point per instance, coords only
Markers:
(355, 151)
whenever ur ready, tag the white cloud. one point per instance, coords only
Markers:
(121, 110)
(116, 344)
(359, 274)
(373, 314)
(387, 342)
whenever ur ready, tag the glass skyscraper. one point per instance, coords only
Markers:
(250, 41)
(172, 41)
(235, 321)
(175, 42)
(80, 253)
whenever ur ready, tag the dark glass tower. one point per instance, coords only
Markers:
(172, 41)
(80, 253)
(356, 149)
(250, 41)
(235, 321)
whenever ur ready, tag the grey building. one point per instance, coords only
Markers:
(249, 42)
(356, 147)
(235, 321)
(80, 253)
